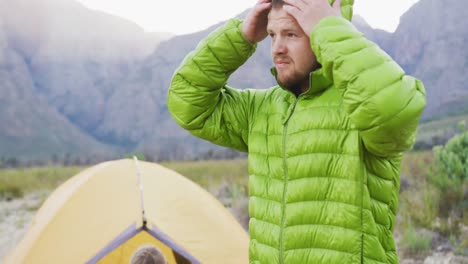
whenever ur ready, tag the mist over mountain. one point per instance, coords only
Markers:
(58, 30)
(30, 126)
(60, 62)
(78, 81)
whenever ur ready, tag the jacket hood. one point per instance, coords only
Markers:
(346, 8)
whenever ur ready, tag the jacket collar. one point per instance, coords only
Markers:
(318, 82)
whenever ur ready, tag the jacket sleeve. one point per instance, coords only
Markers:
(199, 99)
(382, 102)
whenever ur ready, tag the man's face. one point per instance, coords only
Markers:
(290, 50)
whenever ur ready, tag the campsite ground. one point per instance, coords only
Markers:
(15, 216)
(22, 192)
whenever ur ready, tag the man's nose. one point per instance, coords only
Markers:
(278, 46)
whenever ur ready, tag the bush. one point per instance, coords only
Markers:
(450, 176)
(452, 163)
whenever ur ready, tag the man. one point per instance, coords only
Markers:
(324, 145)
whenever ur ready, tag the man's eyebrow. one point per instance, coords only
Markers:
(269, 29)
(289, 30)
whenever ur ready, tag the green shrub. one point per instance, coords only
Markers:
(450, 176)
(452, 163)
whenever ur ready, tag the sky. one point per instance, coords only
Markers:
(188, 16)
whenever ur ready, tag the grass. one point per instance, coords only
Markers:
(212, 174)
(15, 183)
(414, 243)
(418, 205)
(416, 165)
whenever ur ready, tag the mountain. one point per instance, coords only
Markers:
(382, 37)
(58, 62)
(30, 126)
(104, 78)
(430, 43)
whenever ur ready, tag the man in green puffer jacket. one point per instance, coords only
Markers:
(325, 145)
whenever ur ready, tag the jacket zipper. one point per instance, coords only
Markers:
(286, 179)
(363, 181)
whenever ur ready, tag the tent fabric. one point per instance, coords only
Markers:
(90, 210)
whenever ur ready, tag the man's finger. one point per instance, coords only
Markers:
(260, 8)
(262, 3)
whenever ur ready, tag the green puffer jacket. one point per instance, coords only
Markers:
(324, 167)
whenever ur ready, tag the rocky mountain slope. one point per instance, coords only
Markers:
(98, 76)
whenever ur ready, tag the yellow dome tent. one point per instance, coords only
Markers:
(102, 215)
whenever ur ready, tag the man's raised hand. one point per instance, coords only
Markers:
(309, 12)
(255, 24)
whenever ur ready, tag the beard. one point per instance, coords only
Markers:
(295, 78)
(294, 82)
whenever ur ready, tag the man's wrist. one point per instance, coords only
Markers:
(241, 29)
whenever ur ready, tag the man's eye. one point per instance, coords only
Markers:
(271, 35)
(291, 35)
